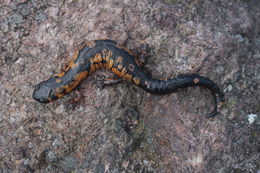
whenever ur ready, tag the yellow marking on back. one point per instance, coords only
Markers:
(123, 72)
(115, 70)
(61, 74)
(69, 66)
(74, 84)
(60, 95)
(128, 77)
(67, 88)
(81, 76)
(110, 63)
(97, 58)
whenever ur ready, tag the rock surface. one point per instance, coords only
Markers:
(121, 128)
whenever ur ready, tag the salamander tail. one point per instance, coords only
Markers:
(165, 86)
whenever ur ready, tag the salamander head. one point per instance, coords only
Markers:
(43, 92)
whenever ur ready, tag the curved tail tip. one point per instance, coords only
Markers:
(219, 102)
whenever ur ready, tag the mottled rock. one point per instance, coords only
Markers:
(121, 128)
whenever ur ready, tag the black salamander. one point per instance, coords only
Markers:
(108, 54)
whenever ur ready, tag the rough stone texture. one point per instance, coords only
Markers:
(121, 128)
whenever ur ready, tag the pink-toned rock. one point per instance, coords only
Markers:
(122, 128)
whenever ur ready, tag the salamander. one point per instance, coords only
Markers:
(110, 55)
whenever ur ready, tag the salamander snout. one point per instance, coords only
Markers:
(42, 93)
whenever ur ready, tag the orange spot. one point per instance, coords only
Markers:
(75, 55)
(128, 77)
(196, 80)
(123, 72)
(67, 88)
(59, 95)
(69, 66)
(80, 76)
(73, 84)
(60, 74)
(106, 57)
(97, 58)
(163, 78)
(136, 80)
(114, 70)
(110, 63)
(91, 44)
